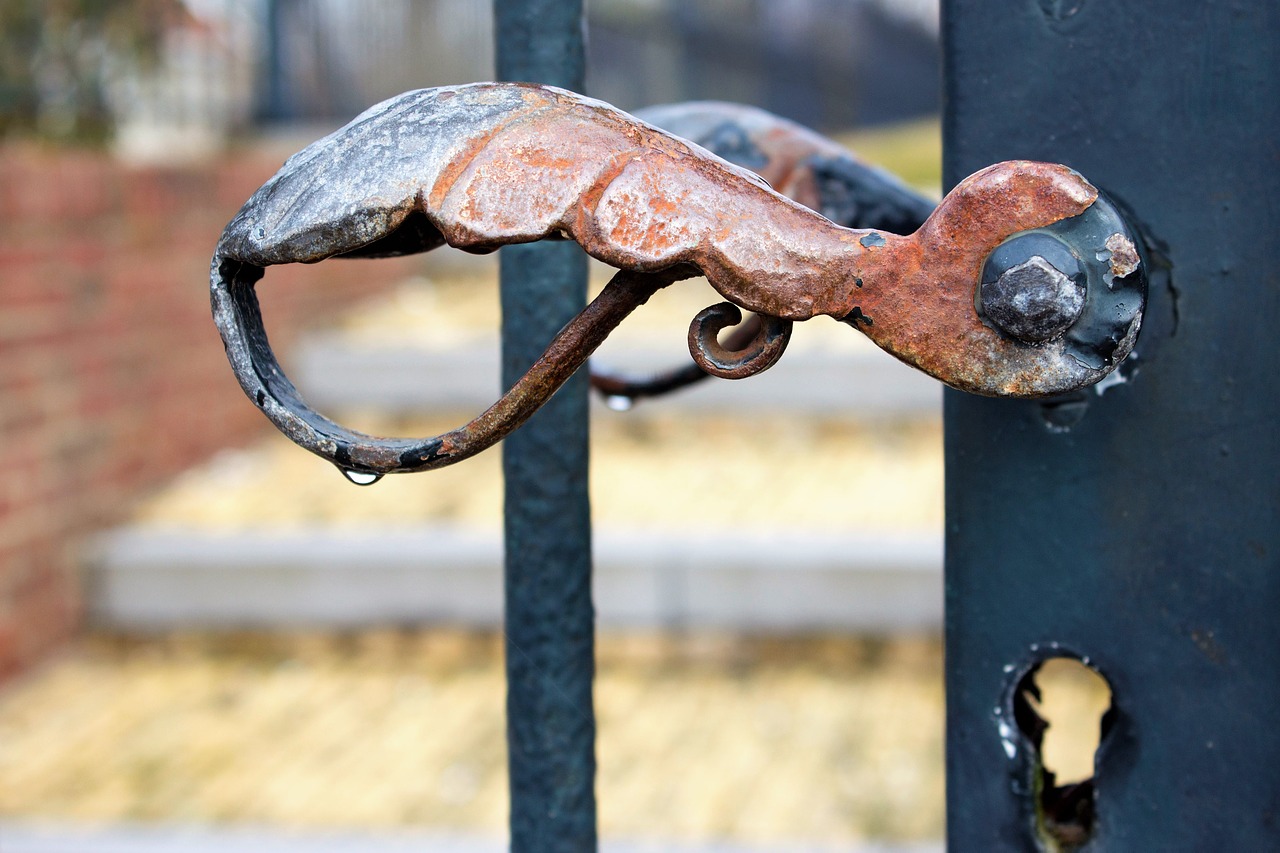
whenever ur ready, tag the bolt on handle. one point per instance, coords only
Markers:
(491, 164)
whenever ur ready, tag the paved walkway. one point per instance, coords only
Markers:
(49, 838)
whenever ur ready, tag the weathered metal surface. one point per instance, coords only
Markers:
(1032, 301)
(798, 162)
(1141, 535)
(801, 164)
(759, 353)
(491, 164)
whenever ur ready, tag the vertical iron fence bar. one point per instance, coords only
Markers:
(549, 619)
(1146, 535)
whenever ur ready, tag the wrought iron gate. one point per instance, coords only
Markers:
(1132, 526)
(1137, 526)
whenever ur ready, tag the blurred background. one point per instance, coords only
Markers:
(205, 630)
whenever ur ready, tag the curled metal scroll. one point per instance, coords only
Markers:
(490, 164)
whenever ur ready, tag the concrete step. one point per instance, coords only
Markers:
(336, 372)
(155, 577)
(433, 343)
(28, 837)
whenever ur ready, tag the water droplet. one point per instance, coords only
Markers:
(1008, 667)
(361, 478)
(619, 402)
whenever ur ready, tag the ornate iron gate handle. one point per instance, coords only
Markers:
(1023, 282)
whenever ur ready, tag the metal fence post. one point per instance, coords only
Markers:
(1137, 528)
(549, 615)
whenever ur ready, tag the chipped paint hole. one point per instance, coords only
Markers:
(1063, 708)
(856, 316)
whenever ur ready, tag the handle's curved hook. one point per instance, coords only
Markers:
(485, 165)
(802, 165)
(364, 458)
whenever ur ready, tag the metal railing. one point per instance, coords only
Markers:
(549, 620)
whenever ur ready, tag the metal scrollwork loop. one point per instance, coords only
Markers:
(756, 355)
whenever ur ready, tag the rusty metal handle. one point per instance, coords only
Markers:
(1022, 282)
(800, 163)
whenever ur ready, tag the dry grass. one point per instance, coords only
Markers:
(701, 737)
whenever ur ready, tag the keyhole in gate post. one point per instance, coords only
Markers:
(1062, 707)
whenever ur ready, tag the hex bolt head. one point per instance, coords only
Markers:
(1033, 301)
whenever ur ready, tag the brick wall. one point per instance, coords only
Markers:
(112, 376)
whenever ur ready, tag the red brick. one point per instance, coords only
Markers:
(112, 377)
